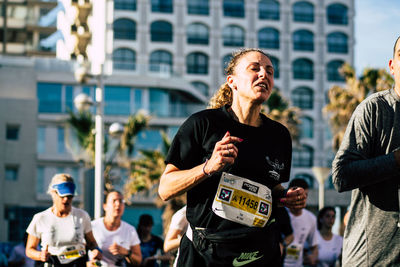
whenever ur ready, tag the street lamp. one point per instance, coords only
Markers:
(321, 174)
(83, 102)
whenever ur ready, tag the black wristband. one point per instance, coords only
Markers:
(129, 253)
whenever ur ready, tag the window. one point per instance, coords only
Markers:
(124, 59)
(40, 180)
(197, 33)
(303, 156)
(268, 9)
(332, 70)
(49, 96)
(234, 8)
(306, 127)
(117, 100)
(60, 140)
(137, 101)
(308, 178)
(161, 31)
(233, 36)
(197, 63)
(268, 38)
(225, 61)
(125, 5)
(275, 64)
(12, 132)
(41, 140)
(303, 69)
(303, 40)
(303, 97)
(201, 87)
(162, 6)
(149, 139)
(11, 172)
(198, 7)
(337, 42)
(161, 61)
(159, 102)
(337, 14)
(303, 12)
(124, 29)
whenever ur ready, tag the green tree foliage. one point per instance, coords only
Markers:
(344, 100)
(279, 110)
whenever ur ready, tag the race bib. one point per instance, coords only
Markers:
(293, 252)
(243, 201)
(71, 253)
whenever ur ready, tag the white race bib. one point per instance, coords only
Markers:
(71, 253)
(243, 201)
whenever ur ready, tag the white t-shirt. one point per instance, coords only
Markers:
(125, 236)
(328, 250)
(304, 230)
(179, 222)
(62, 234)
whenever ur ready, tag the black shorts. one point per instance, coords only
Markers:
(270, 251)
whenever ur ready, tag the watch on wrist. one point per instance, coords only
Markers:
(129, 253)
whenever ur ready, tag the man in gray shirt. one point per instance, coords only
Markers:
(368, 162)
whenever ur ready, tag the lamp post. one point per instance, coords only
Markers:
(321, 174)
(83, 102)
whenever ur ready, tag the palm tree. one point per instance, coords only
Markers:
(278, 109)
(344, 100)
(80, 127)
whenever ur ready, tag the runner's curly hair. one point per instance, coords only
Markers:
(224, 94)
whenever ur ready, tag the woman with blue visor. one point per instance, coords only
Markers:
(64, 232)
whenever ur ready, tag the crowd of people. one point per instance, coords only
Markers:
(231, 161)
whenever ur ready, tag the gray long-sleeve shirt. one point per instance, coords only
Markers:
(366, 165)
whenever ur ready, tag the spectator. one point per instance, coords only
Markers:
(18, 257)
(304, 231)
(285, 228)
(329, 244)
(151, 245)
(118, 239)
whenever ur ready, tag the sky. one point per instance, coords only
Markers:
(377, 25)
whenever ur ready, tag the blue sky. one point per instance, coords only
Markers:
(377, 25)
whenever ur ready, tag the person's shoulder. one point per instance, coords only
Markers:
(97, 222)
(206, 114)
(337, 238)
(309, 214)
(378, 98)
(80, 212)
(42, 214)
(127, 226)
(270, 123)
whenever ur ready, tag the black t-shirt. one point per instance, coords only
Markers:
(264, 156)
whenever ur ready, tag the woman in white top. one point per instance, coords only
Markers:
(329, 244)
(64, 231)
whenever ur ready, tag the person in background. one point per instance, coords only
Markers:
(176, 230)
(65, 232)
(151, 245)
(285, 228)
(368, 164)
(18, 257)
(118, 239)
(329, 244)
(231, 160)
(304, 226)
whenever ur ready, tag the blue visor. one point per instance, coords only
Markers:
(65, 189)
